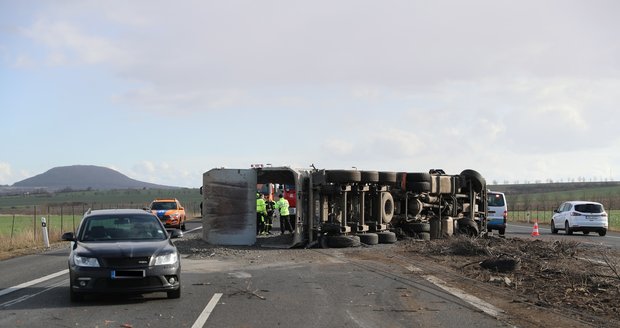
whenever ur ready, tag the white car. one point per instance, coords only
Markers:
(580, 216)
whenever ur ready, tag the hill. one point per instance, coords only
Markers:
(83, 177)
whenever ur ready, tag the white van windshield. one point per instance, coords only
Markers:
(496, 199)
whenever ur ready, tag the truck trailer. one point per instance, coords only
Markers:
(342, 208)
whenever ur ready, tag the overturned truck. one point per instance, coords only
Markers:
(341, 208)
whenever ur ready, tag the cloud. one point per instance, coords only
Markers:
(5, 173)
(67, 44)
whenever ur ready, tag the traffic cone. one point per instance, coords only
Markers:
(535, 232)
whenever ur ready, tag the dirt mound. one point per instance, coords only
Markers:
(569, 275)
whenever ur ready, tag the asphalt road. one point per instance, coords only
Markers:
(523, 230)
(293, 288)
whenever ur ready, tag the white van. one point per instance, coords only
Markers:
(497, 210)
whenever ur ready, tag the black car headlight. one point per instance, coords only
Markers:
(84, 261)
(166, 259)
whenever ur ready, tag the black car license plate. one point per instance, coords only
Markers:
(124, 274)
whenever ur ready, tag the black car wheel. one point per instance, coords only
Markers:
(567, 228)
(75, 297)
(602, 232)
(175, 293)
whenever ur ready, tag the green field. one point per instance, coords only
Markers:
(20, 216)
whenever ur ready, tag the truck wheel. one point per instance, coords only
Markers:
(468, 227)
(477, 181)
(418, 177)
(387, 178)
(323, 242)
(343, 176)
(369, 176)
(386, 237)
(343, 241)
(369, 238)
(387, 207)
(421, 227)
(419, 187)
(423, 236)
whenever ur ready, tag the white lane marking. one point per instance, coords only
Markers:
(25, 297)
(473, 300)
(32, 282)
(202, 318)
(188, 231)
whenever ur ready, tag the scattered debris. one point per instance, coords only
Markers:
(562, 274)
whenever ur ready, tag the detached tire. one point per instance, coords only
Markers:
(369, 238)
(386, 237)
(343, 241)
(343, 176)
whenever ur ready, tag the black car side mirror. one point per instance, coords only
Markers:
(68, 236)
(175, 233)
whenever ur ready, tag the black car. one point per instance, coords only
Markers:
(123, 251)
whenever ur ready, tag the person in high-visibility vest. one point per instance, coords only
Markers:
(271, 206)
(261, 212)
(282, 207)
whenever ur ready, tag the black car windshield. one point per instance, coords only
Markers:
(164, 206)
(589, 208)
(121, 227)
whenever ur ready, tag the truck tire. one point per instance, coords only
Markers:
(477, 181)
(419, 187)
(421, 227)
(369, 176)
(343, 176)
(386, 237)
(387, 207)
(343, 241)
(468, 227)
(369, 238)
(418, 177)
(423, 236)
(387, 178)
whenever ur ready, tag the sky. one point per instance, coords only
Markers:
(163, 91)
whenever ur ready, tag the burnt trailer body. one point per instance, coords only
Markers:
(339, 208)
